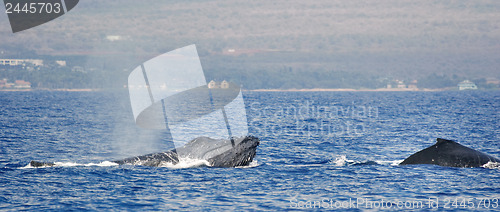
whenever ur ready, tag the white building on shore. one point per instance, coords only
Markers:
(17, 62)
(467, 85)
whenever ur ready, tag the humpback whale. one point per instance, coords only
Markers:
(449, 153)
(218, 153)
(170, 93)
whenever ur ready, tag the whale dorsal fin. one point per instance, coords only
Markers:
(443, 141)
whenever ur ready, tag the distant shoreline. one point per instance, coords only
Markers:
(260, 90)
(347, 90)
(43, 89)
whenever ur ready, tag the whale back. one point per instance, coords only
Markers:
(449, 153)
(218, 152)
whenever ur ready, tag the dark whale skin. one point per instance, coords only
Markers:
(221, 154)
(240, 155)
(451, 154)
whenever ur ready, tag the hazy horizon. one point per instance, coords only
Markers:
(390, 38)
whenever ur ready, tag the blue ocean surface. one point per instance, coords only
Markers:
(319, 150)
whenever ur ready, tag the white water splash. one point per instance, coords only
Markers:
(186, 163)
(389, 162)
(342, 161)
(252, 164)
(71, 164)
(183, 164)
(491, 165)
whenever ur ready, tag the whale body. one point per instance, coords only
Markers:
(218, 153)
(450, 153)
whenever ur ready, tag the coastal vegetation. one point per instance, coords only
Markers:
(79, 76)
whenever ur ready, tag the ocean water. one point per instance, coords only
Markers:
(319, 150)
